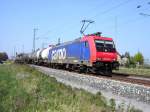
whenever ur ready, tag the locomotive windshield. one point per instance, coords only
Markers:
(105, 46)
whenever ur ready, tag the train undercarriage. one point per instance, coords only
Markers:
(99, 68)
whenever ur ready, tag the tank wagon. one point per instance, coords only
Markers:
(91, 53)
(40, 56)
(44, 56)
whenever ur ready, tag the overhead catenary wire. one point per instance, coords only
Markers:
(47, 32)
(132, 20)
(112, 8)
(98, 14)
(142, 13)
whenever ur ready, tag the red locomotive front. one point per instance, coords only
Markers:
(103, 54)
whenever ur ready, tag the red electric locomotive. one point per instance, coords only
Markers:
(103, 54)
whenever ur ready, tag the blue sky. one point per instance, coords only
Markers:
(55, 19)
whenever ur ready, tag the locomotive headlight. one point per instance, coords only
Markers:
(114, 59)
(99, 59)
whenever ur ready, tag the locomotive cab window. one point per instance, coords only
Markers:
(105, 46)
(86, 44)
(109, 44)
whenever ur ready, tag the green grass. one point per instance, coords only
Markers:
(24, 89)
(134, 71)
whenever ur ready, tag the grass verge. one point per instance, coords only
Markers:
(134, 71)
(24, 89)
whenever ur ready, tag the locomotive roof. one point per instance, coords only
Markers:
(69, 42)
(98, 35)
(83, 38)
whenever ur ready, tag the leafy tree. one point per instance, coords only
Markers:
(130, 62)
(127, 55)
(3, 56)
(138, 57)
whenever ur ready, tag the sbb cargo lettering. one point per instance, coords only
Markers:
(58, 54)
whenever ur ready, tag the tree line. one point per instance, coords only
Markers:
(134, 61)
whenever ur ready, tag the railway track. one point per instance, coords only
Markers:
(140, 80)
(130, 78)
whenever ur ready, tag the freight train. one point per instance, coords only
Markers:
(91, 53)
